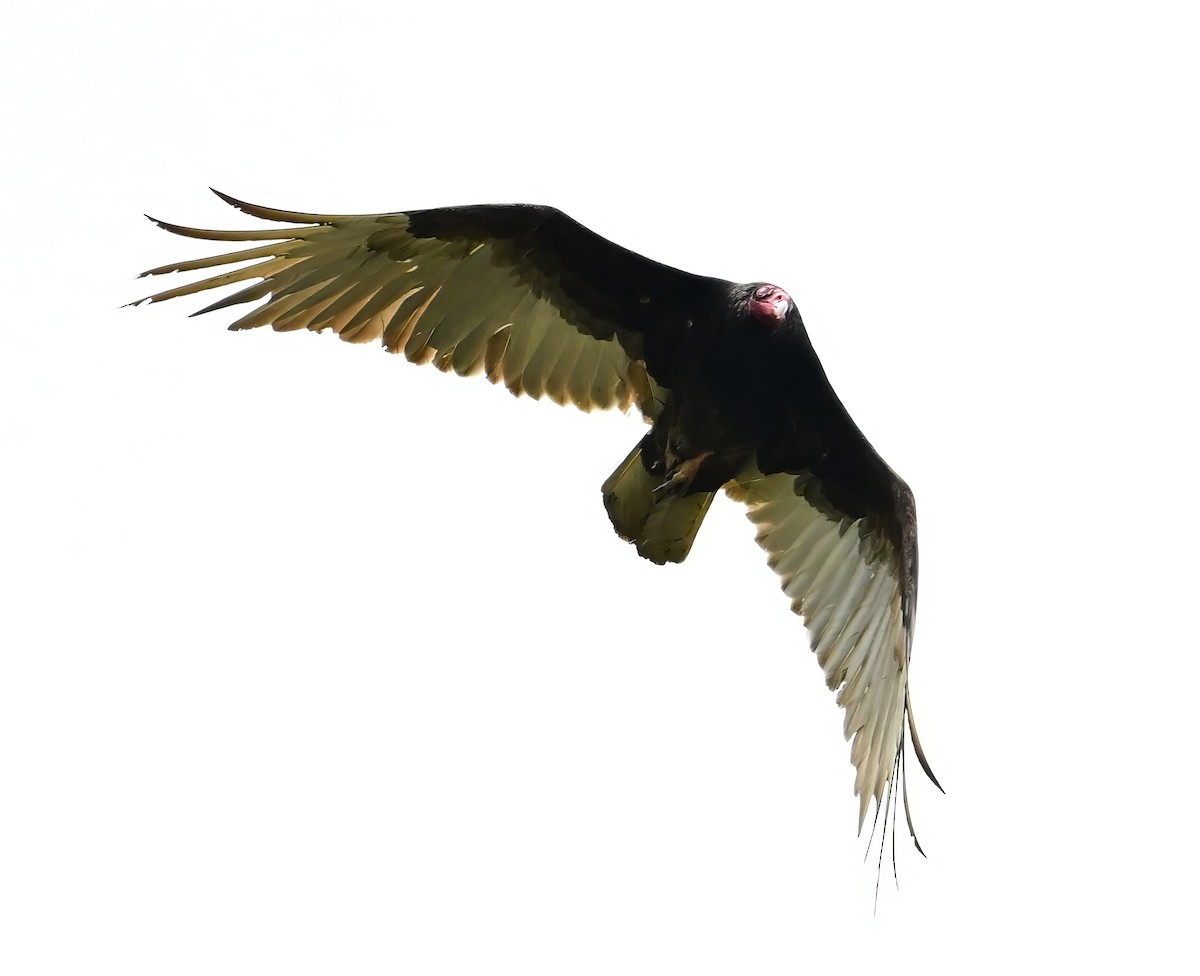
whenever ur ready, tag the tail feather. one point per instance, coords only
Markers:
(662, 526)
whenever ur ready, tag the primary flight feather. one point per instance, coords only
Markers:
(724, 373)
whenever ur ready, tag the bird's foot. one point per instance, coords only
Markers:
(682, 475)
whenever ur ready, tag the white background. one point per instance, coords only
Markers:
(318, 662)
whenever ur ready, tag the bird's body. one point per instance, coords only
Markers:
(724, 373)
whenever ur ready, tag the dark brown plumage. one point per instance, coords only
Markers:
(724, 373)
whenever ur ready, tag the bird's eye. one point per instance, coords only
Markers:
(762, 291)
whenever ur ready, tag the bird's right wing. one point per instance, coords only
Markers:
(522, 293)
(852, 576)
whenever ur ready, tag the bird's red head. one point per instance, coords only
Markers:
(769, 304)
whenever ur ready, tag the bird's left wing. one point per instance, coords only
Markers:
(853, 580)
(522, 293)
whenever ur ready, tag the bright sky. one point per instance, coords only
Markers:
(315, 661)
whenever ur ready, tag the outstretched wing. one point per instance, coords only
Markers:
(522, 293)
(853, 578)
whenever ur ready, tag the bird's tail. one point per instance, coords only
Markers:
(661, 525)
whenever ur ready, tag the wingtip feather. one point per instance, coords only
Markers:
(916, 741)
(272, 213)
(232, 201)
(245, 207)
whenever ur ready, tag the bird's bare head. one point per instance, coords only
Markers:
(769, 304)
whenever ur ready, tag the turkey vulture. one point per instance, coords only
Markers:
(724, 373)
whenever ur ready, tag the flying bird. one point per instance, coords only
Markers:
(724, 374)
